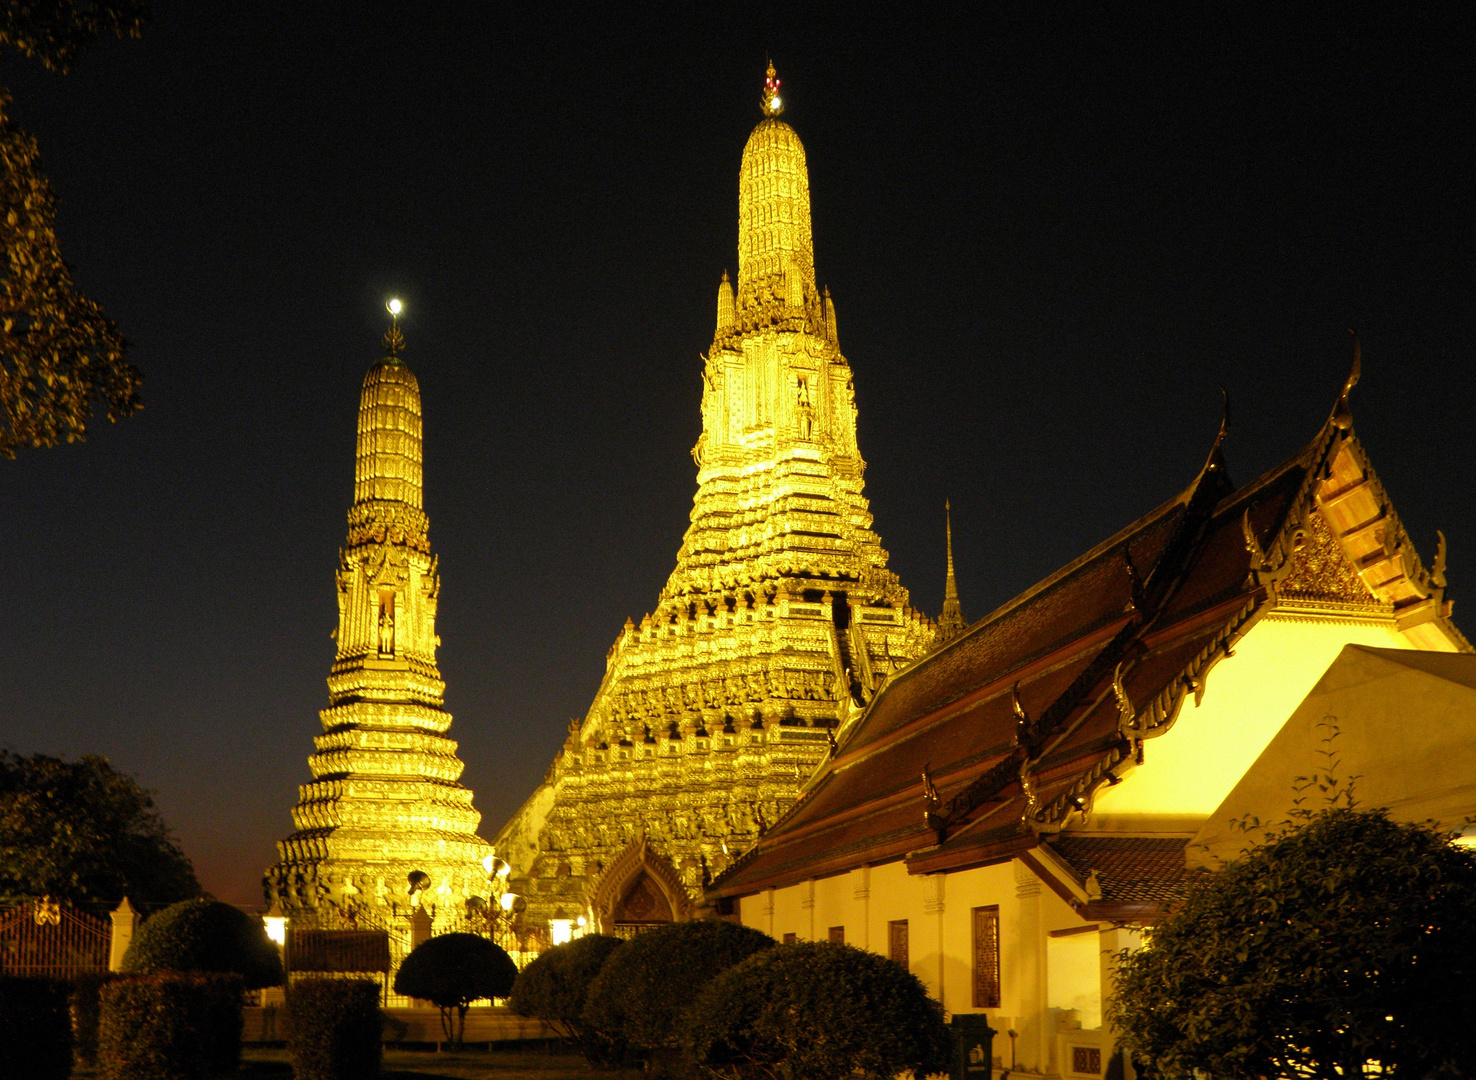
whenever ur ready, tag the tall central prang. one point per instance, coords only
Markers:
(777, 625)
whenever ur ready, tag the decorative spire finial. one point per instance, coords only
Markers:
(951, 621)
(394, 341)
(773, 104)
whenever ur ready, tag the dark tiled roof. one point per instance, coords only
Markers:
(1160, 602)
(1130, 869)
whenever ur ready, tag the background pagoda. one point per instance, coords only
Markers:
(778, 623)
(384, 802)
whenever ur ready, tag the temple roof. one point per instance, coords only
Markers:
(974, 752)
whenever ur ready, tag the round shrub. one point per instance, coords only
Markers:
(643, 988)
(205, 935)
(335, 1029)
(452, 971)
(555, 986)
(816, 1010)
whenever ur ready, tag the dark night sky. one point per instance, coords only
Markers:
(1049, 238)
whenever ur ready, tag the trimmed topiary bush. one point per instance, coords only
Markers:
(816, 1010)
(170, 1027)
(645, 986)
(335, 1029)
(555, 986)
(35, 1029)
(205, 935)
(86, 1002)
(452, 971)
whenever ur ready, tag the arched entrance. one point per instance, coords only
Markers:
(638, 891)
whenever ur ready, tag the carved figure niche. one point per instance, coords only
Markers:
(643, 902)
(386, 623)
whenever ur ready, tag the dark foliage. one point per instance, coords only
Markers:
(452, 971)
(815, 1011)
(643, 988)
(81, 832)
(334, 1030)
(56, 32)
(555, 986)
(86, 1001)
(59, 353)
(205, 935)
(1346, 940)
(35, 1029)
(170, 1027)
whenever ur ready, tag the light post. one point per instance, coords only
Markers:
(275, 924)
(506, 905)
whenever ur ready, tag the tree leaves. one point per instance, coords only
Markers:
(1293, 959)
(59, 352)
(81, 832)
(56, 32)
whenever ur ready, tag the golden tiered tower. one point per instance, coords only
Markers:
(778, 623)
(384, 803)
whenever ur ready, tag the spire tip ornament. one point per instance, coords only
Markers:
(772, 104)
(394, 341)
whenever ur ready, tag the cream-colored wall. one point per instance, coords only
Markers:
(1248, 697)
(1074, 966)
(939, 913)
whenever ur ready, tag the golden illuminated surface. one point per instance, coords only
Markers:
(384, 800)
(780, 619)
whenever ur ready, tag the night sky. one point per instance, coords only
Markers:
(1050, 238)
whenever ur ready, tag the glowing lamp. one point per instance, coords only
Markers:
(395, 307)
(487, 861)
(776, 103)
(275, 922)
(581, 922)
(561, 931)
(508, 900)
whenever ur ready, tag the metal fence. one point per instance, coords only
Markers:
(43, 937)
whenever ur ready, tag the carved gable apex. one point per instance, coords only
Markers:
(1321, 570)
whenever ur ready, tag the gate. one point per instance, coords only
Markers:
(46, 938)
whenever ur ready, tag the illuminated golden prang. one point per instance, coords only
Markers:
(778, 623)
(384, 802)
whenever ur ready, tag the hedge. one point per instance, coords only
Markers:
(334, 1033)
(645, 986)
(86, 1003)
(205, 935)
(555, 986)
(35, 1029)
(815, 1011)
(170, 1027)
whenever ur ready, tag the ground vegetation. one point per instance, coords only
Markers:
(453, 970)
(1343, 946)
(555, 987)
(645, 986)
(335, 1029)
(170, 1026)
(814, 1011)
(205, 936)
